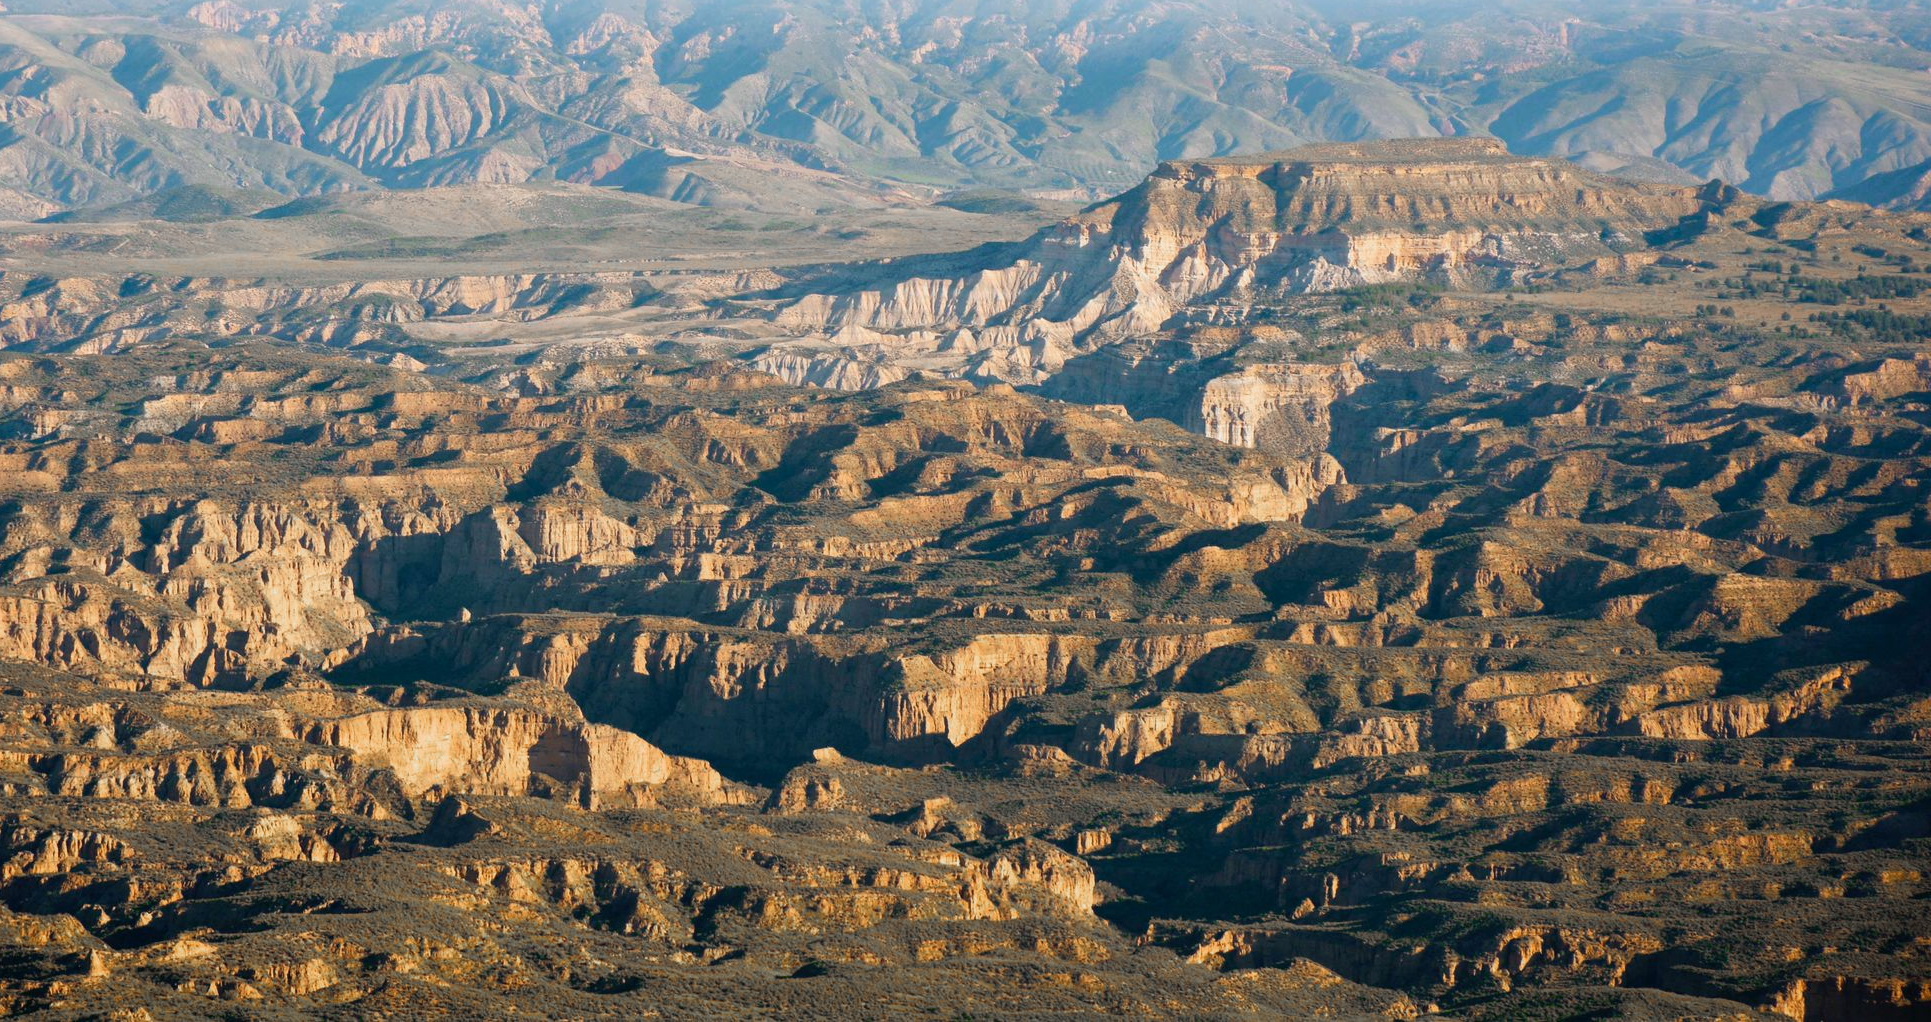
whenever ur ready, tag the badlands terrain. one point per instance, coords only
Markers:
(1368, 580)
(106, 102)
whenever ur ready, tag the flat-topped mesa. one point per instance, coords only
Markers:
(1227, 233)
(1415, 185)
(1326, 217)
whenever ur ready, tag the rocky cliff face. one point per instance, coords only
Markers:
(502, 752)
(1143, 301)
(1281, 407)
(1212, 240)
(1354, 651)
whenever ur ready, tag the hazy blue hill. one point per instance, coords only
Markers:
(107, 102)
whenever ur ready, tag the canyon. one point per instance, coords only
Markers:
(1367, 579)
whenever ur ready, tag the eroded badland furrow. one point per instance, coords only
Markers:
(1360, 580)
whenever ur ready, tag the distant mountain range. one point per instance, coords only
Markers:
(704, 101)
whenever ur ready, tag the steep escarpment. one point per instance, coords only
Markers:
(1214, 240)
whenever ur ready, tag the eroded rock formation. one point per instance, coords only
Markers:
(1215, 241)
(1503, 651)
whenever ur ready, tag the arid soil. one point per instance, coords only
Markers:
(1358, 581)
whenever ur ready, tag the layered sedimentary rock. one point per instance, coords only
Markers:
(501, 752)
(1523, 653)
(1282, 407)
(1214, 240)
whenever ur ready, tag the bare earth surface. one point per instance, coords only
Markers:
(1361, 580)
